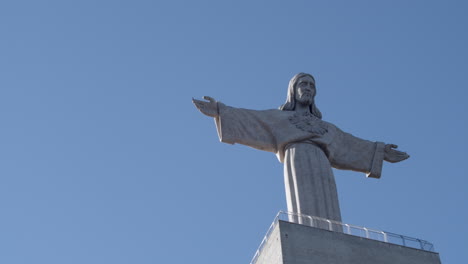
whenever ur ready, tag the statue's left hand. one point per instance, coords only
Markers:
(392, 155)
(209, 108)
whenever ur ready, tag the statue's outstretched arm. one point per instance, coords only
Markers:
(392, 155)
(209, 108)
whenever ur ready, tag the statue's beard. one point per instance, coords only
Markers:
(305, 100)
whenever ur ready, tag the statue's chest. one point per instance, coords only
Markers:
(307, 122)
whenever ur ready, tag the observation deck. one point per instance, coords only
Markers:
(299, 239)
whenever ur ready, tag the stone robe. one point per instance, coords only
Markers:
(308, 147)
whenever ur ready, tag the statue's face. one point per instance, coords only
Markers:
(305, 90)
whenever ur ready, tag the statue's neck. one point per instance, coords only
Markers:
(302, 108)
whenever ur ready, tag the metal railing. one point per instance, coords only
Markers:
(340, 227)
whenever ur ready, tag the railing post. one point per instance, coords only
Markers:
(367, 232)
(420, 243)
(311, 221)
(348, 228)
(385, 236)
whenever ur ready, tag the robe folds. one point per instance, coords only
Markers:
(308, 148)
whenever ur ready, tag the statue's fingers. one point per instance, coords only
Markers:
(399, 153)
(403, 155)
(209, 99)
(199, 104)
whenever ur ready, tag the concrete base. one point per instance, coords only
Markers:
(291, 243)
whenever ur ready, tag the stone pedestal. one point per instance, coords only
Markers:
(290, 243)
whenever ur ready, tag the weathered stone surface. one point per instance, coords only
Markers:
(271, 252)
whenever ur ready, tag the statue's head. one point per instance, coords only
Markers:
(301, 79)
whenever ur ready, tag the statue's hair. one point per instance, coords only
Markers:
(290, 104)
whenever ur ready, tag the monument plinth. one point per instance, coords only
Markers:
(323, 241)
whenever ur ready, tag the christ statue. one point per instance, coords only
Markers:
(307, 146)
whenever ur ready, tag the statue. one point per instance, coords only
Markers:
(308, 146)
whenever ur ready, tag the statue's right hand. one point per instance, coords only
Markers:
(392, 155)
(209, 108)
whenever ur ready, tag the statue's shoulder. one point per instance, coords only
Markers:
(274, 115)
(274, 111)
(328, 123)
(278, 113)
(271, 112)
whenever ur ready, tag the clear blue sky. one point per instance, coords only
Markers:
(104, 159)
